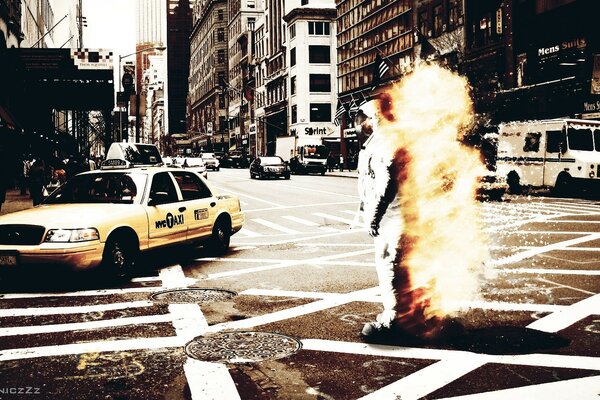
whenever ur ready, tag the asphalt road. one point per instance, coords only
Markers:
(294, 292)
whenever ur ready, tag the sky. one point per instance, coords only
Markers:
(110, 25)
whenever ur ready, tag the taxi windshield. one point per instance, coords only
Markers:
(117, 187)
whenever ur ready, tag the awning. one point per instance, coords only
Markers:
(7, 120)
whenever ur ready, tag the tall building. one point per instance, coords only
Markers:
(312, 88)
(276, 115)
(37, 21)
(207, 117)
(179, 28)
(369, 31)
(151, 28)
(242, 21)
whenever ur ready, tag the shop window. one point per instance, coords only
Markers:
(320, 112)
(320, 83)
(319, 54)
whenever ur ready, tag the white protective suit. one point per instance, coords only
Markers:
(379, 172)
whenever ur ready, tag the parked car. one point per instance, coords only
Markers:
(236, 159)
(195, 164)
(273, 166)
(211, 161)
(105, 218)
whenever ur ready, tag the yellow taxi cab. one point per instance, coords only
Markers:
(106, 217)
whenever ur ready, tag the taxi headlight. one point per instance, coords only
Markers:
(71, 235)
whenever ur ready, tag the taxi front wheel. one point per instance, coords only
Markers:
(221, 237)
(120, 256)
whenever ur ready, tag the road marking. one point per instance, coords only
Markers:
(248, 233)
(40, 311)
(269, 260)
(91, 347)
(250, 197)
(335, 218)
(427, 380)
(565, 286)
(209, 381)
(293, 312)
(205, 380)
(307, 206)
(544, 249)
(300, 220)
(296, 241)
(336, 194)
(568, 316)
(573, 389)
(585, 272)
(275, 226)
(84, 293)
(286, 264)
(100, 324)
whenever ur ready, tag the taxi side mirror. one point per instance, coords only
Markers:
(158, 198)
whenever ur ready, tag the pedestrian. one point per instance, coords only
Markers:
(5, 178)
(37, 177)
(330, 162)
(26, 166)
(341, 165)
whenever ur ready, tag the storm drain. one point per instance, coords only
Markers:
(192, 296)
(242, 347)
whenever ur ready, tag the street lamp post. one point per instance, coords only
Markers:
(159, 48)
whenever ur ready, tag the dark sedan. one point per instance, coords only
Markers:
(264, 167)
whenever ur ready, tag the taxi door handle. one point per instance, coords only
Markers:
(212, 204)
(182, 209)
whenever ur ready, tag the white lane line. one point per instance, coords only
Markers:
(307, 206)
(537, 359)
(275, 226)
(293, 312)
(575, 221)
(426, 380)
(145, 279)
(241, 195)
(336, 194)
(85, 293)
(205, 380)
(557, 284)
(301, 239)
(287, 264)
(570, 389)
(544, 249)
(568, 316)
(40, 311)
(584, 272)
(300, 220)
(91, 347)
(336, 244)
(209, 381)
(77, 326)
(268, 260)
(374, 298)
(335, 218)
(248, 233)
(240, 248)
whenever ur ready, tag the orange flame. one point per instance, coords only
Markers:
(443, 248)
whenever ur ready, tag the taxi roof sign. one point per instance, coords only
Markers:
(123, 155)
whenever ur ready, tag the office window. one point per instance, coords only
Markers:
(292, 57)
(320, 83)
(220, 15)
(221, 56)
(304, 2)
(318, 28)
(320, 112)
(292, 31)
(319, 55)
(220, 34)
(294, 114)
(423, 25)
(293, 85)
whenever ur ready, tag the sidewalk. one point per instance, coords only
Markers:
(15, 202)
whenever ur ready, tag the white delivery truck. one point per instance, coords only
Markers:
(556, 153)
(305, 154)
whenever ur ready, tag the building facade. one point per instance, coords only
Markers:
(311, 85)
(207, 117)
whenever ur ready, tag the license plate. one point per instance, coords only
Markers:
(8, 260)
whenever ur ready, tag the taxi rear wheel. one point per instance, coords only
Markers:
(221, 237)
(120, 256)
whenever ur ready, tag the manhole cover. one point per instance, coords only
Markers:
(242, 347)
(192, 295)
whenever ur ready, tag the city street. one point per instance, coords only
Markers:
(294, 291)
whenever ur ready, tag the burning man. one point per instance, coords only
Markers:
(416, 185)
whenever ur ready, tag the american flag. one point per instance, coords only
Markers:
(380, 68)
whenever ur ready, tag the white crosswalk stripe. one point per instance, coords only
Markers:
(275, 226)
